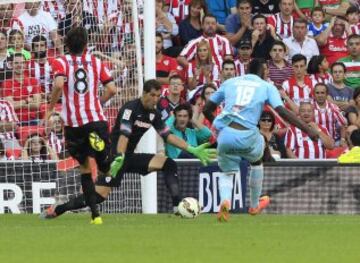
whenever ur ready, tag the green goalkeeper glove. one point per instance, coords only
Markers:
(116, 165)
(203, 153)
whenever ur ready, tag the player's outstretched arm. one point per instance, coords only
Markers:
(209, 109)
(55, 95)
(110, 91)
(293, 119)
(202, 151)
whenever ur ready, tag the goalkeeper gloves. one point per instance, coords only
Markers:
(116, 165)
(203, 153)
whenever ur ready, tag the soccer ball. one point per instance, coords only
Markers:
(189, 207)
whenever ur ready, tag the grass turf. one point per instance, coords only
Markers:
(164, 238)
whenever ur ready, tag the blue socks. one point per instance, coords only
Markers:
(255, 183)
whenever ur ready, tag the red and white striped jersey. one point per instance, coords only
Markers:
(55, 8)
(240, 67)
(56, 143)
(284, 30)
(80, 99)
(201, 80)
(326, 79)
(299, 94)
(219, 46)
(40, 24)
(102, 9)
(329, 117)
(355, 29)
(43, 73)
(179, 9)
(302, 146)
(7, 114)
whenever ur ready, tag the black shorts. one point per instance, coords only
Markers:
(90, 140)
(133, 163)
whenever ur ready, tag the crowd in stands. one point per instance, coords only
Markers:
(312, 48)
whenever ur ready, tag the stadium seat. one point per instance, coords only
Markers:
(23, 132)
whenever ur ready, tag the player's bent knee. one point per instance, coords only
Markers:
(104, 191)
(157, 162)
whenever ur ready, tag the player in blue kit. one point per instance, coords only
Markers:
(238, 136)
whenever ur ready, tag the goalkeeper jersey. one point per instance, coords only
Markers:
(353, 156)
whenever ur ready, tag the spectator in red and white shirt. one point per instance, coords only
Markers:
(299, 145)
(35, 21)
(280, 69)
(329, 115)
(353, 17)
(8, 124)
(55, 7)
(78, 75)
(228, 70)
(102, 9)
(283, 21)
(55, 135)
(40, 65)
(219, 46)
(332, 41)
(179, 9)
(23, 92)
(242, 62)
(203, 68)
(298, 88)
(6, 13)
(318, 69)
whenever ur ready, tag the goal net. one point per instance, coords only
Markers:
(36, 30)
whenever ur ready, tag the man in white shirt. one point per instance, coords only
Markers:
(300, 43)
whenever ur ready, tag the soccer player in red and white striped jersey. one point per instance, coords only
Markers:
(9, 123)
(220, 46)
(328, 114)
(283, 21)
(77, 77)
(299, 145)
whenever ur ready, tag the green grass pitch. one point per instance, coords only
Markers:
(165, 238)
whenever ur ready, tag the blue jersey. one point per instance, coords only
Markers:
(244, 99)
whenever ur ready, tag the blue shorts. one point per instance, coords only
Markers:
(236, 145)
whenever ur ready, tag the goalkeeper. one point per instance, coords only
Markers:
(133, 120)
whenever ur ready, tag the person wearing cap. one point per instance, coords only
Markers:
(244, 50)
(261, 38)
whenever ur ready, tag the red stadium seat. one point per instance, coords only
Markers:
(23, 132)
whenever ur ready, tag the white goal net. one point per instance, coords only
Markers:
(31, 36)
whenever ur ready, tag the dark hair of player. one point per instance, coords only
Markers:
(355, 137)
(76, 40)
(151, 84)
(256, 66)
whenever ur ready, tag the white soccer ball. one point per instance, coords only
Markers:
(189, 207)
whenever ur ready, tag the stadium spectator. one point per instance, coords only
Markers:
(180, 9)
(329, 115)
(34, 21)
(23, 92)
(244, 51)
(334, 7)
(339, 93)
(268, 128)
(5, 57)
(261, 38)
(354, 111)
(332, 41)
(190, 27)
(302, 9)
(317, 24)
(17, 44)
(36, 148)
(318, 69)
(228, 70)
(280, 69)
(40, 65)
(56, 8)
(283, 21)
(165, 25)
(220, 46)
(169, 102)
(221, 10)
(6, 13)
(353, 18)
(352, 62)
(203, 68)
(265, 7)
(179, 126)
(298, 88)
(55, 135)
(238, 26)
(8, 124)
(102, 10)
(165, 66)
(298, 143)
(300, 43)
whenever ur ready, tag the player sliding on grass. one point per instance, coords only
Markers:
(239, 138)
(133, 120)
(77, 76)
